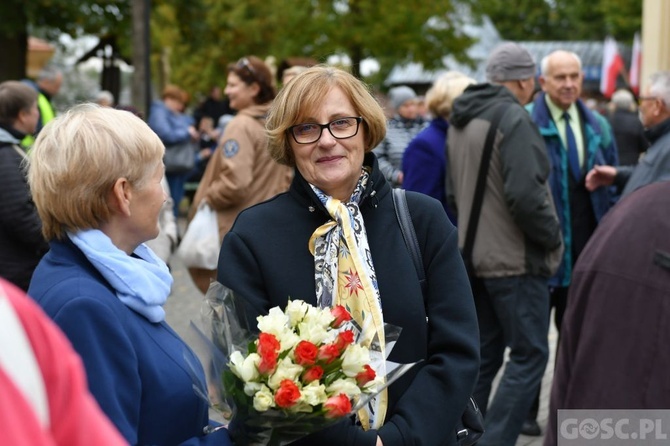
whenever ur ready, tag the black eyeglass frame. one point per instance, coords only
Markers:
(327, 125)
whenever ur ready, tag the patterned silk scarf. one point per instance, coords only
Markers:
(345, 276)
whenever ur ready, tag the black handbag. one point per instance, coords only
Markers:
(471, 425)
(180, 157)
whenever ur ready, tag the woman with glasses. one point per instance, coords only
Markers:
(241, 172)
(333, 238)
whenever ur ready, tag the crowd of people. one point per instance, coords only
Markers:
(521, 197)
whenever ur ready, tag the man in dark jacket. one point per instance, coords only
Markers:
(21, 241)
(627, 128)
(518, 241)
(576, 139)
(655, 164)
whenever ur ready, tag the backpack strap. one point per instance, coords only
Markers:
(478, 199)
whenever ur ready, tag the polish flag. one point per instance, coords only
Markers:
(635, 65)
(612, 65)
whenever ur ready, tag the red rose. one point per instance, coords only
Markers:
(367, 375)
(268, 362)
(337, 406)
(268, 350)
(312, 374)
(344, 339)
(328, 353)
(267, 343)
(305, 353)
(287, 394)
(341, 316)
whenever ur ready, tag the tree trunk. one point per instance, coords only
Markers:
(141, 85)
(356, 55)
(13, 40)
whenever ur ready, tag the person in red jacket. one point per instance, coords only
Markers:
(45, 399)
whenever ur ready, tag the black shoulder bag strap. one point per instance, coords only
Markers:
(471, 425)
(478, 199)
(408, 233)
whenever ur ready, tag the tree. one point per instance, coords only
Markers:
(391, 33)
(50, 18)
(13, 39)
(564, 19)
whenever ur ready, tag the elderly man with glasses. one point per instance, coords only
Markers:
(654, 166)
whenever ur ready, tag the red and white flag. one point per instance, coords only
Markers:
(635, 65)
(612, 65)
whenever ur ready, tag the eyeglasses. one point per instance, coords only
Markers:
(340, 128)
(641, 99)
(244, 63)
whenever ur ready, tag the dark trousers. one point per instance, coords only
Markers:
(176, 182)
(558, 301)
(512, 313)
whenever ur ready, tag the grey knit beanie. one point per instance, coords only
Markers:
(509, 62)
(399, 95)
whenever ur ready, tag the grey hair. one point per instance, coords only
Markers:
(623, 100)
(104, 96)
(49, 72)
(544, 64)
(659, 85)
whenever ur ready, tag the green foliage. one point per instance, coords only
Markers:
(564, 19)
(391, 34)
(98, 17)
(193, 41)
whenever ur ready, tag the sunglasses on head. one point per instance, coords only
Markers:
(244, 63)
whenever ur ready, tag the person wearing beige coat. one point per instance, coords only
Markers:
(241, 172)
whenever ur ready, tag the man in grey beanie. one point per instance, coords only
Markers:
(518, 242)
(400, 130)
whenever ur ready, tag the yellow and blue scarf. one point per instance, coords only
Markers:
(345, 275)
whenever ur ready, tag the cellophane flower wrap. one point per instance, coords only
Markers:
(302, 370)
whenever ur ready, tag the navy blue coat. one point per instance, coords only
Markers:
(424, 163)
(136, 369)
(600, 150)
(265, 259)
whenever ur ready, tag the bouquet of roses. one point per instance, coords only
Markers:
(304, 371)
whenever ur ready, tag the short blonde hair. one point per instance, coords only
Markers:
(303, 95)
(78, 157)
(445, 89)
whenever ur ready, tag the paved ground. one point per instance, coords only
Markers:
(184, 305)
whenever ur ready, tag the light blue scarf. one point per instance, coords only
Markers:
(143, 284)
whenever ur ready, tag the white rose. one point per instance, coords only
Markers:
(263, 399)
(313, 394)
(353, 360)
(314, 333)
(375, 385)
(296, 311)
(245, 368)
(288, 339)
(319, 316)
(286, 369)
(344, 385)
(274, 323)
(301, 407)
(252, 387)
